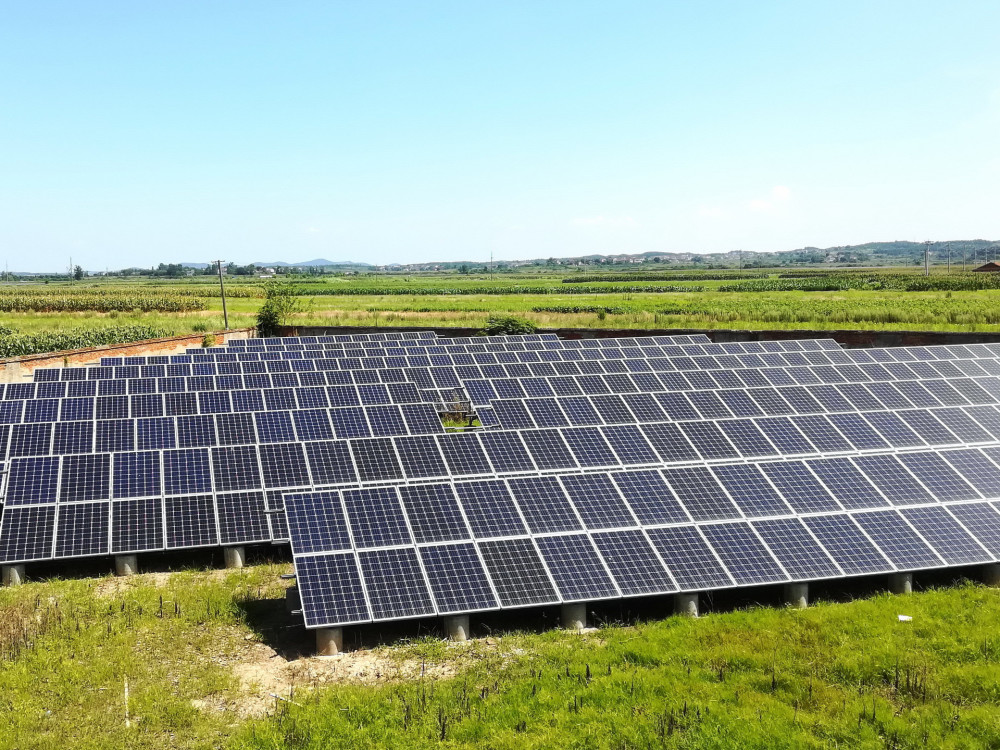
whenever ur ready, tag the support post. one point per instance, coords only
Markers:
(13, 575)
(796, 595)
(235, 556)
(686, 604)
(293, 601)
(457, 627)
(126, 565)
(991, 574)
(573, 616)
(329, 641)
(901, 583)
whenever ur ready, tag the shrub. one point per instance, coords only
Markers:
(507, 325)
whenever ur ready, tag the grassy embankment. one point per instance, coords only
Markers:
(200, 669)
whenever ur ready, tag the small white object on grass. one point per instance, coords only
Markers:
(904, 618)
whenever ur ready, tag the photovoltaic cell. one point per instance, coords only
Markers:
(136, 525)
(82, 530)
(433, 513)
(689, 559)
(517, 572)
(548, 450)
(795, 548)
(701, 494)
(242, 518)
(375, 459)
(892, 478)
(955, 545)
(395, 583)
(85, 477)
(190, 521)
(544, 504)
(750, 490)
(490, 509)
(799, 487)
(26, 533)
(633, 563)
(318, 522)
(983, 520)
(649, 497)
(506, 451)
(598, 501)
(847, 484)
(847, 545)
(376, 517)
(976, 469)
(457, 578)
(576, 568)
(897, 540)
(330, 589)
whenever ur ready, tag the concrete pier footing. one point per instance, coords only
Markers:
(795, 595)
(457, 627)
(126, 565)
(13, 575)
(235, 557)
(329, 641)
(686, 604)
(901, 583)
(573, 616)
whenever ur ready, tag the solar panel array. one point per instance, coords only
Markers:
(632, 481)
(604, 468)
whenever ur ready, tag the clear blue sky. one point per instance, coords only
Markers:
(136, 132)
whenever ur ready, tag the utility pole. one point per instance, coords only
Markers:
(222, 288)
(963, 258)
(927, 261)
(948, 245)
(741, 258)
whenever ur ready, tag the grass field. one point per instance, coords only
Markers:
(202, 652)
(684, 301)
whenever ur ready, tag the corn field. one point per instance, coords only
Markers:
(107, 300)
(18, 344)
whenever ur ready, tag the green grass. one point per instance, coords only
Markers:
(838, 675)
(66, 651)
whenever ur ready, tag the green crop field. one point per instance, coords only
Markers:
(857, 299)
(204, 653)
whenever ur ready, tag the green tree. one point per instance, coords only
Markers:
(78, 273)
(281, 300)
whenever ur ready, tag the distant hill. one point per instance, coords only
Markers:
(874, 254)
(306, 263)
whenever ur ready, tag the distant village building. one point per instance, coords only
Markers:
(990, 267)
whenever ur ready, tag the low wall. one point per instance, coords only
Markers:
(850, 339)
(17, 368)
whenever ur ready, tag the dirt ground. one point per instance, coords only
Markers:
(263, 673)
